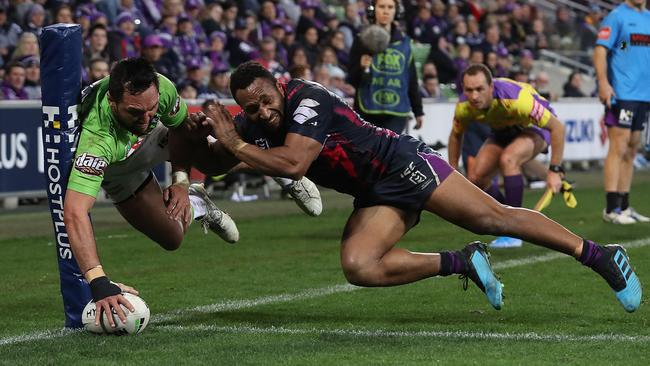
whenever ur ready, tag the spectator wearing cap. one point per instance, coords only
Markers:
(217, 53)
(13, 84)
(32, 76)
(195, 76)
(219, 83)
(526, 62)
(163, 57)
(123, 40)
(9, 34)
(504, 63)
(268, 60)
(186, 44)
(96, 45)
(34, 19)
(239, 46)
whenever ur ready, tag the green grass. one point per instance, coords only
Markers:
(554, 310)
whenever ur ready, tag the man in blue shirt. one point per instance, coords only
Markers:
(621, 59)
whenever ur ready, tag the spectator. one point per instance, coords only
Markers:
(492, 41)
(308, 17)
(476, 56)
(229, 18)
(164, 60)
(564, 34)
(526, 62)
(187, 91)
(35, 19)
(9, 35)
(429, 68)
(13, 84)
(504, 63)
(192, 10)
(196, 77)
(27, 46)
(520, 76)
(588, 30)
(309, 41)
(438, 24)
(123, 42)
(186, 44)
(268, 60)
(440, 55)
(543, 87)
(241, 50)
(172, 8)
(430, 87)
(219, 83)
(278, 32)
(537, 40)
(217, 54)
(267, 17)
(32, 77)
(63, 14)
(97, 70)
(573, 86)
(298, 56)
(474, 36)
(421, 22)
(95, 46)
(351, 24)
(459, 35)
(301, 72)
(211, 19)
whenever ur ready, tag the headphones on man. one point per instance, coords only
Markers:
(370, 11)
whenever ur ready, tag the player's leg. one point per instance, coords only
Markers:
(460, 202)
(145, 210)
(521, 150)
(618, 142)
(625, 178)
(485, 165)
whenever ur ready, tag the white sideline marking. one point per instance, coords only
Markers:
(361, 333)
(304, 295)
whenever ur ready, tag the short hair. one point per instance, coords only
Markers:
(475, 69)
(133, 74)
(246, 73)
(12, 65)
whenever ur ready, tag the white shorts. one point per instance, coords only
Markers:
(122, 179)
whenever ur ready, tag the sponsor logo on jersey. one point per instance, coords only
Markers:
(305, 111)
(177, 107)
(90, 164)
(604, 33)
(637, 39)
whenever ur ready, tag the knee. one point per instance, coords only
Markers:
(507, 162)
(171, 242)
(357, 269)
(480, 181)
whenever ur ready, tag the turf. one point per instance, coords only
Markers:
(279, 296)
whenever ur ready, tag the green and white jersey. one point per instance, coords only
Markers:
(103, 141)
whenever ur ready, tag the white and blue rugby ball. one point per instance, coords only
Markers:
(135, 321)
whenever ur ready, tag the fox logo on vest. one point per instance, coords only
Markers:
(90, 164)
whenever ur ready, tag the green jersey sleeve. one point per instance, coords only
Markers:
(171, 107)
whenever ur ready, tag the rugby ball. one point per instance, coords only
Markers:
(135, 321)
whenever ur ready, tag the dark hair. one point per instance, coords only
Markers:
(246, 73)
(95, 27)
(474, 69)
(370, 11)
(133, 74)
(13, 64)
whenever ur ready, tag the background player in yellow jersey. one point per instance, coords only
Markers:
(523, 125)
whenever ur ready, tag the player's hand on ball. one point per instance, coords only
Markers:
(177, 200)
(108, 297)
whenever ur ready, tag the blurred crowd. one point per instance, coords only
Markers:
(196, 43)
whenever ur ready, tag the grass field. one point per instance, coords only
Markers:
(279, 296)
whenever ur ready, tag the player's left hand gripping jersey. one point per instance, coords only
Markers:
(514, 104)
(104, 141)
(355, 153)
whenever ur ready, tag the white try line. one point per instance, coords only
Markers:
(364, 333)
(231, 305)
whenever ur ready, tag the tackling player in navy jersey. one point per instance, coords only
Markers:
(301, 129)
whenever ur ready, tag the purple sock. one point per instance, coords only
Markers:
(495, 192)
(591, 253)
(514, 185)
(452, 262)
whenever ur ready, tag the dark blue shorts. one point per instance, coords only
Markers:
(415, 170)
(628, 114)
(503, 137)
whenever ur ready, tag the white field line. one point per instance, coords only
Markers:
(361, 333)
(303, 295)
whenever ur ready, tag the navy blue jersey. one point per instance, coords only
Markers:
(355, 153)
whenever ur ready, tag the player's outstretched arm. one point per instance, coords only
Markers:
(106, 294)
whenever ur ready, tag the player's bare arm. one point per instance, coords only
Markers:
(454, 145)
(554, 178)
(605, 89)
(291, 160)
(107, 295)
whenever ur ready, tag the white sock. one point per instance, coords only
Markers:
(198, 206)
(283, 182)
